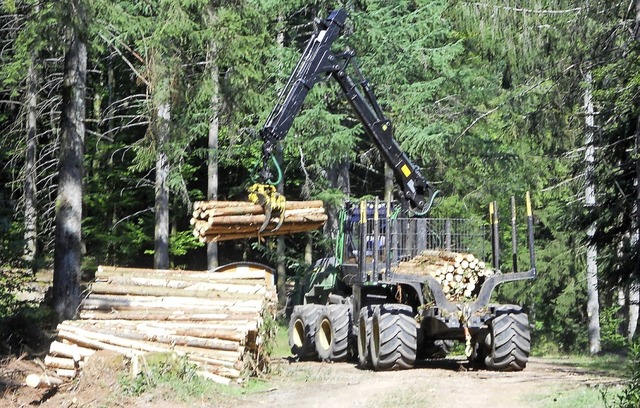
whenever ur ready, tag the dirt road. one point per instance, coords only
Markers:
(444, 383)
(438, 384)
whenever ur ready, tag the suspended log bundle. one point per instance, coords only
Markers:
(460, 274)
(215, 221)
(213, 318)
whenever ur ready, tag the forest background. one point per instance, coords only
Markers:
(117, 115)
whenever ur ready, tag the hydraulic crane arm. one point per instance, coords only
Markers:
(316, 64)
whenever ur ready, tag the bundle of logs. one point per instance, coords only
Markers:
(460, 274)
(212, 318)
(215, 221)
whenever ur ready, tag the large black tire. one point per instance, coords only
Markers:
(394, 338)
(302, 331)
(332, 332)
(504, 344)
(364, 336)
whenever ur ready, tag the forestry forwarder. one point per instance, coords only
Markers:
(365, 302)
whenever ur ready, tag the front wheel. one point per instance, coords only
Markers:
(394, 337)
(302, 331)
(364, 336)
(505, 342)
(332, 332)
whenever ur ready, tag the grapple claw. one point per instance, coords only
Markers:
(272, 202)
(267, 218)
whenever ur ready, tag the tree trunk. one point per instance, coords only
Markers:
(30, 213)
(212, 165)
(281, 265)
(68, 255)
(593, 305)
(634, 309)
(161, 244)
(389, 181)
(634, 289)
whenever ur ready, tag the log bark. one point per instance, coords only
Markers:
(221, 221)
(156, 337)
(42, 381)
(109, 302)
(235, 333)
(73, 351)
(244, 273)
(212, 318)
(61, 362)
(289, 205)
(163, 315)
(230, 287)
(156, 291)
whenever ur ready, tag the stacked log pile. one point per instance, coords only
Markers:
(213, 318)
(460, 274)
(215, 221)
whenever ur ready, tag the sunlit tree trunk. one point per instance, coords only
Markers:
(212, 162)
(30, 211)
(389, 181)
(634, 289)
(593, 305)
(161, 243)
(68, 254)
(281, 263)
(281, 266)
(634, 300)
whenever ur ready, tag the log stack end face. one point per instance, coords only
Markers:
(460, 275)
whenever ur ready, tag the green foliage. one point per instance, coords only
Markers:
(12, 281)
(611, 324)
(182, 242)
(486, 98)
(25, 326)
(629, 396)
(165, 370)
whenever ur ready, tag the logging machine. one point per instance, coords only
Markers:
(397, 289)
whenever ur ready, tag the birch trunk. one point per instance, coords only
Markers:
(281, 267)
(30, 213)
(634, 308)
(593, 305)
(634, 289)
(161, 244)
(212, 164)
(68, 255)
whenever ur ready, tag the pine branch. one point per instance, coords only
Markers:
(126, 60)
(131, 216)
(525, 11)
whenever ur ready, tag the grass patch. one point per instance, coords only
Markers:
(281, 347)
(169, 377)
(582, 397)
(611, 365)
(404, 399)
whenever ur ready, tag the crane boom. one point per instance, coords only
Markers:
(317, 63)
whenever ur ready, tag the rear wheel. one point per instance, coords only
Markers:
(364, 336)
(332, 332)
(393, 340)
(302, 331)
(504, 344)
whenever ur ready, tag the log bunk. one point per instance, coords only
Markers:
(215, 221)
(213, 318)
(460, 274)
